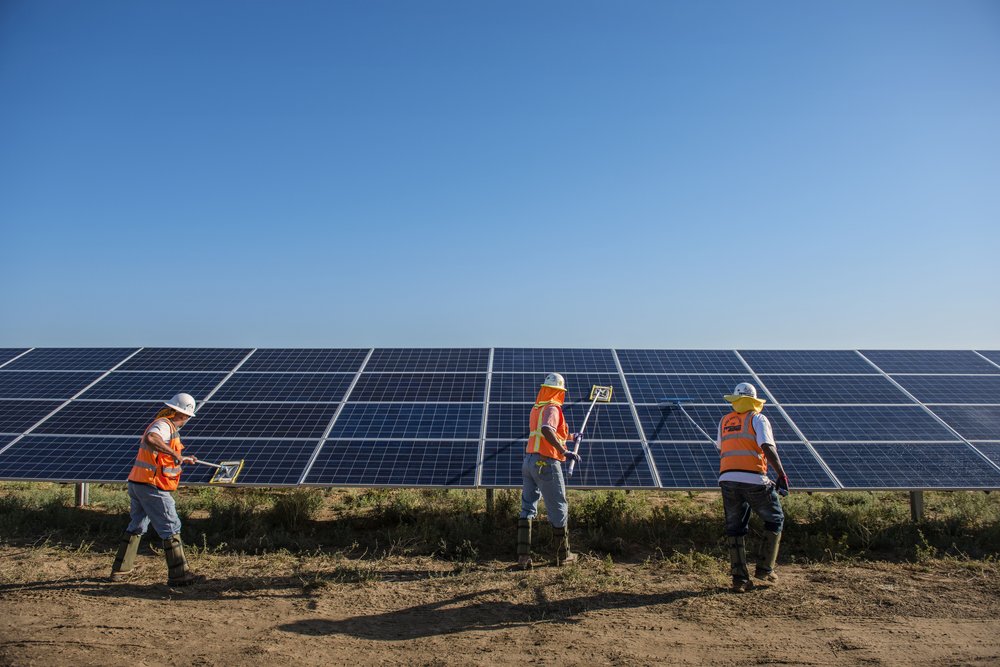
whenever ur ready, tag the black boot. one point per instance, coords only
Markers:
(738, 563)
(768, 556)
(178, 573)
(562, 555)
(524, 544)
(125, 558)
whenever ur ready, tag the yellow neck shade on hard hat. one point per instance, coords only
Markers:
(743, 404)
(550, 395)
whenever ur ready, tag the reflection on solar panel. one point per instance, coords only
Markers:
(523, 387)
(267, 462)
(70, 359)
(8, 353)
(261, 420)
(607, 422)
(43, 384)
(700, 388)
(827, 389)
(680, 361)
(982, 389)
(316, 387)
(18, 416)
(277, 360)
(973, 422)
(69, 459)
(605, 465)
(929, 361)
(427, 360)
(143, 386)
(445, 387)
(806, 361)
(908, 465)
(102, 418)
(459, 421)
(395, 463)
(185, 359)
(868, 423)
(542, 361)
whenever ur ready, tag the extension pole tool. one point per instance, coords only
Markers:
(225, 472)
(597, 393)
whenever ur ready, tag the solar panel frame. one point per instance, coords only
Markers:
(428, 360)
(395, 463)
(305, 360)
(636, 361)
(267, 421)
(507, 421)
(833, 389)
(807, 362)
(624, 461)
(972, 422)
(925, 362)
(54, 458)
(875, 423)
(881, 466)
(284, 387)
(101, 418)
(18, 416)
(9, 353)
(523, 387)
(416, 421)
(420, 387)
(670, 424)
(267, 462)
(218, 359)
(53, 385)
(71, 359)
(991, 355)
(153, 385)
(708, 389)
(952, 389)
(990, 450)
(541, 361)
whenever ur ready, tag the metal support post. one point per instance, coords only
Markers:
(490, 506)
(82, 494)
(917, 506)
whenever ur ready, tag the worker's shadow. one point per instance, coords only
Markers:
(463, 613)
(216, 589)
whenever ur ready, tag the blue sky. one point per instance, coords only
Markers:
(637, 174)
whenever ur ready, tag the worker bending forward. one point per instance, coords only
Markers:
(746, 446)
(542, 472)
(155, 473)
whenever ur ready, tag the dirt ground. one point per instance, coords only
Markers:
(57, 609)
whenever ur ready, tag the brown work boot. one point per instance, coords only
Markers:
(741, 585)
(765, 575)
(178, 573)
(124, 566)
(768, 557)
(524, 544)
(524, 563)
(563, 556)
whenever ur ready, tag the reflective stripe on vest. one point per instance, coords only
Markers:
(537, 444)
(157, 469)
(740, 451)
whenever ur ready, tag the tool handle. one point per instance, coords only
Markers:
(576, 450)
(206, 463)
(587, 417)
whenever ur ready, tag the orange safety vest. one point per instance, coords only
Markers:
(537, 444)
(157, 469)
(740, 451)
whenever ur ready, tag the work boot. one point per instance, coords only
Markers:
(178, 573)
(738, 564)
(125, 558)
(768, 557)
(563, 556)
(524, 544)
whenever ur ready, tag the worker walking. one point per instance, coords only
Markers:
(155, 473)
(746, 446)
(542, 471)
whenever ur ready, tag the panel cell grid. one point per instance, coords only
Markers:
(185, 359)
(429, 360)
(408, 420)
(973, 422)
(607, 422)
(102, 418)
(908, 465)
(680, 361)
(605, 465)
(43, 384)
(266, 462)
(700, 388)
(261, 420)
(693, 465)
(69, 459)
(6, 440)
(806, 361)
(929, 361)
(523, 387)
(144, 386)
(289, 360)
(868, 423)
(827, 389)
(670, 423)
(992, 355)
(553, 360)
(315, 387)
(428, 387)
(18, 416)
(991, 450)
(8, 353)
(70, 359)
(982, 389)
(395, 463)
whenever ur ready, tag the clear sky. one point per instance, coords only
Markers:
(559, 173)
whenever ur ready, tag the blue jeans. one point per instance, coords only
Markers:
(544, 477)
(152, 505)
(738, 499)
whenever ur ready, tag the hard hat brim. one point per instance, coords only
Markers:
(178, 409)
(552, 386)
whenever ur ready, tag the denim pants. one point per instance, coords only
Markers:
(152, 505)
(544, 477)
(738, 499)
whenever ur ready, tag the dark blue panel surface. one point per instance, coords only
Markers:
(277, 360)
(709, 417)
(605, 465)
(952, 388)
(908, 466)
(69, 459)
(395, 463)
(692, 465)
(827, 389)
(680, 361)
(43, 384)
(553, 360)
(973, 422)
(929, 361)
(185, 359)
(441, 387)
(19, 416)
(320, 387)
(868, 423)
(6, 440)
(607, 422)
(701, 388)
(102, 418)
(457, 421)
(670, 423)
(70, 359)
(137, 386)
(8, 353)
(802, 468)
(992, 355)
(266, 462)
(429, 360)
(261, 420)
(806, 361)
(990, 449)
(523, 387)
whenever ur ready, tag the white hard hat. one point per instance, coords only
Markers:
(182, 403)
(745, 389)
(555, 381)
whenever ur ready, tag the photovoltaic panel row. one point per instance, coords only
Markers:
(606, 465)
(18, 416)
(806, 361)
(395, 463)
(680, 361)
(695, 465)
(430, 387)
(266, 462)
(553, 360)
(379, 421)
(261, 420)
(833, 389)
(699, 388)
(973, 422)
(523, 387)
(106, 418)
(289, 360)
(185, 359)
(8, 353)
(607, 422)
(974, 389)
(157, 386)
(44, 384)
(867, 423)
(871, 465)
(314, 387)
(929, 361)
(70, 359)
(428, 360)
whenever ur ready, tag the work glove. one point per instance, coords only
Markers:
(573, 456)
(782, 485)
(576, 438)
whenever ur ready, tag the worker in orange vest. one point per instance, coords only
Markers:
(746, 446)
(155, 473)
(542, 474)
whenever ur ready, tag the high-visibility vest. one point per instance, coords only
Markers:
(151, 467)
(537, 444)
(740, 451)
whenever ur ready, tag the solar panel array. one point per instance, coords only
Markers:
(438, 417)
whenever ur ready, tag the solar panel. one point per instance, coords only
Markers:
(553, 360)
(867, 423)
(523, 387)
(991, 450)
(680, 361)
(457, 421)
(866, 465)
(277, 360)
(973, 422)
(266, 462)
(428, 360)
(607, 422)
(443, 387)
(929, 361)
(709, 417)
(6, 440)
(43, 384)
(686, 465)
(261, 420)
(185, 359)
(700, 388)
(827, 389)
(18, 416)
(605, 465)
(102, 418)
(316, 387)
(8, 353)
(395, 463)
(69, 459)
(992, 355)
(806, 361)
(146, 386)
(953, 388)
(70, 359)
(670, 423)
